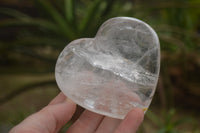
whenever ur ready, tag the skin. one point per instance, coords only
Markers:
(60, 110)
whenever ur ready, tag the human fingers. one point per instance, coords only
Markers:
(131, 122)
(86, 123)
(59, 98)
(48, 120)
(108, 125)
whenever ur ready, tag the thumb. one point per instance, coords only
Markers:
(48, 120)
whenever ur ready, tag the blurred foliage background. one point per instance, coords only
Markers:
(34, 32)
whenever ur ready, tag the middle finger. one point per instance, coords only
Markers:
(108, 125)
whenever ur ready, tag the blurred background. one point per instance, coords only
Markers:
(34, 32)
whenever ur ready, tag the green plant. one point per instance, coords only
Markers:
(167, 123)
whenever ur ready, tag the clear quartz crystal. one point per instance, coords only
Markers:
(113, 72)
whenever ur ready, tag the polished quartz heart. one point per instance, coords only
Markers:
(114, 72)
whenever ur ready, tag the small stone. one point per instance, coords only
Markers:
(114, 72)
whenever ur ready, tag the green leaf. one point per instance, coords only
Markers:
(182, 121)
(63, 25)
(30, 22)
(14, 13)
(69, 10)
(156, 120)
(34, 40)
(92, 9)
(169, 116)
(162, 130)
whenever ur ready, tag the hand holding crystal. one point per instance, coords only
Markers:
(60, 110)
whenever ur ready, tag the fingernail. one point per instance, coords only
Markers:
(144, 109)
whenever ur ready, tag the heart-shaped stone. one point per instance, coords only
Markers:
(113, 72)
